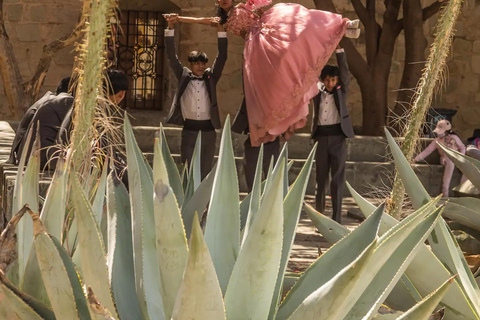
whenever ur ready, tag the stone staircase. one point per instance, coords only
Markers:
(369, 165)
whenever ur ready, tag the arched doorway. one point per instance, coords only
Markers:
(139, 51)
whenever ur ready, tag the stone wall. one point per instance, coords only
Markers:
(33, 23)
(30, 25)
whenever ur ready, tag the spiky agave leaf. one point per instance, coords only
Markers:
(120, 250)
(222, 231)
(442, 241)
(200, 295)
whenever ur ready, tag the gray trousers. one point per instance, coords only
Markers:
(189, 139)
(331, 155)
(251, 158)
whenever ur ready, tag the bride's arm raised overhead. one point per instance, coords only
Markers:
(208, 21)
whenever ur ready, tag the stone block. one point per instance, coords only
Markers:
(28, 32)
(38, 13)
(476, 64)
(476, 46)
(15, 12)
(461, 48)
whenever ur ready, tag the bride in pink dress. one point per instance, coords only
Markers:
(286, 47)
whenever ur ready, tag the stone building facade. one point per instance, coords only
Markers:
(34, 23)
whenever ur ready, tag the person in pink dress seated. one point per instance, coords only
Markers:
(446, 137)
(286, 47)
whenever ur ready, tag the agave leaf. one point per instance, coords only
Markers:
(99, 199)
(172, 248)
(427, 273)
(442, 242)
(17, 188)
(43, 311)
(13, 307)
(198, 202)
(175, 181)
(97, 310)
(200, 295)
(120, 250)
(94, 264)
(52, 216)
(29, 191)
(271, 172)
(251, 299)
(338, 257)
(172, 251)
(254, 200)
(403, 243)
(424, 309)
(245, 206)
(464, 210)
(327, 300)
(147, 277)
(404, 294)
(53, 211)
(222, 231)
(292, 207)
(195, 165)
(469, 166)
(59, 275)
(389, 274)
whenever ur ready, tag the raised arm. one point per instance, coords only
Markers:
(208, 21)
(425, 153)
(343, 68)
(221, 58)
(172, 57)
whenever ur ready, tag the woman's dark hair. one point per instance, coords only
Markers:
(222, 14)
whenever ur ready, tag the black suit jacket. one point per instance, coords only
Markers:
(340, 93)
(49, 116)
(23, 127)
(183, 75)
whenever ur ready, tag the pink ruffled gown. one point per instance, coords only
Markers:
(285, 50)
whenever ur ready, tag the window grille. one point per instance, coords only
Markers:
(139, 53)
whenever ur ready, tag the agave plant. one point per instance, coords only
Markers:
(431, 266)
(153, 266)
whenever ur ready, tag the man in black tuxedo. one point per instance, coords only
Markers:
(270, 149)
(48, 98)
(195, 104)
(330, 128)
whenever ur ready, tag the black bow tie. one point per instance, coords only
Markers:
(197, 78)
(327, 92)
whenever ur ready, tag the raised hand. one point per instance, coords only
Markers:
(172, 19)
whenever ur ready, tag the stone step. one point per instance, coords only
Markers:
(370, 179)
(360, 148)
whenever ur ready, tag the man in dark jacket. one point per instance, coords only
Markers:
(195, 105)
(26, 121)
(330, 128)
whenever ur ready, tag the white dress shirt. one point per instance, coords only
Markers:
(195, 101)
(328, 113)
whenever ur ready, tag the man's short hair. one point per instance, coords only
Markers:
(63, 85)
(197, 56)
(329, 71)
(117, 81)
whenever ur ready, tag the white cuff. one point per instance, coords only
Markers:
(222, 34)
(169, 32)
(339, 50)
